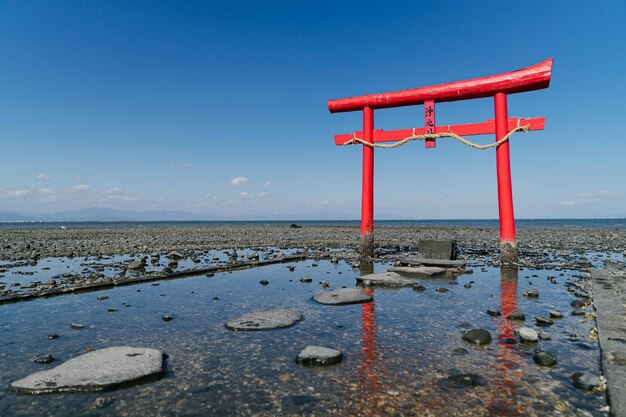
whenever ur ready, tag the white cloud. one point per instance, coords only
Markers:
(113, 191)
(81, 187)
(237, 181)
(243, 194)
(43, 177)
(263, 194)
(268, 184)
(18, 193)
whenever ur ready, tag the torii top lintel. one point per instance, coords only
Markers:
(535, 77)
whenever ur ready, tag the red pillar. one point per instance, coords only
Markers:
(367, 199)
(508, 245)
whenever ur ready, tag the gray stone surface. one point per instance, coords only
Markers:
(343, 296)
(437, 248)
(98, 370)
(273, 318)
(609, 289)
(445, 263)
(319, 355)
(419, 271)
(385, 279)
(527, 334)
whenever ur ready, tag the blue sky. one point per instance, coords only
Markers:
(220, 107)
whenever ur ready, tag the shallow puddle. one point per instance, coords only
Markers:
(398, 350)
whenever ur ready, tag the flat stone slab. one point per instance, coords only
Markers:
(319, 355)
(437, 248)
(343, 296)
(385, 279)
(273, 318)
(445, 263)
(419, 271)
(99, 370)
(609, 295)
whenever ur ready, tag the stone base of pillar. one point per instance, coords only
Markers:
(366, 247)
(508, 252)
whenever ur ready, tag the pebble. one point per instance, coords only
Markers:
(477, 336)
(544, 336)
(53, 336)
(44, 359)
(543, 358)
(517, 316)
(526, 334)
(441, 289)
(77, 326)
(306, 279)
(494, 312)
(531, 293)
(318, 355)
(586, 380)
(419, 287)
(543, 321)
(555, 314)
(167, 317)
(264, 282)
(102, 297)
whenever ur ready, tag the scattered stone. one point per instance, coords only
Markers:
(468, 285)
(137, 263)
(555, 314)
(467, 380)
(101, 402)
(44, 359)
(385, 279)
(526, 334)
(306, 279)
(586, 381)
(441, 289)
(53, 336)
(325, 284)
(418, 287)
(516, 316)
(167, 317)
(98, 370)
(77, 326)
(494, 312)
(531, 293)
(102, 297)
(264, 282)
(578, 312)
(419, 271)
(174, 256)
(544, 336)
(543, 358)
(111, 309)
(318, 355)
(578, 303)
(477, 336)
(295, 226)
(272, 318)
(543, 321)
(343, 296)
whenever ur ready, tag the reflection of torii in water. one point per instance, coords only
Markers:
(508, 383)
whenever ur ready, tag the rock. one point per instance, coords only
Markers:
(543, 321)
(516, 316)
(343, 296)
(167, 317)
(272, 318)
(441, 289)
(264, 282)
(468, 285)
(526, 334)
(44, 359)
(477, 336)
(578, 312)
(77, 326)
(174, 256)
(53, 336)
(137, 264)
(318, 355)
(306, 279)
(437, 248)
(418, 287)
(295, 226)
(418, 271)
(555, 314)
(531, 293)
(544, 336)
(385, 279)
(325, 284)
(466, 380)
(494, 312)
(586, 381)
(101, 297)
(578, 303)
(101, 402)
(98, 370)
(445, 263)
(543, 358)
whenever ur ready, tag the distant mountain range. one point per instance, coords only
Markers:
(98, 214)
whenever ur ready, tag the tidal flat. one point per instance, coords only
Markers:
(403, 353)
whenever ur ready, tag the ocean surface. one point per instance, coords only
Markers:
(551, 224)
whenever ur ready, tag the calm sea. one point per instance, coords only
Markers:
(554, 224)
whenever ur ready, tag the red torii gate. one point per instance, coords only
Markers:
(535, 77)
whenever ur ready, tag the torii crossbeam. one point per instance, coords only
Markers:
(498, 86)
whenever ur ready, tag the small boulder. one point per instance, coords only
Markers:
(343, 296)
(526, 334)
(477, 336)
(318, 355)
(543, 358)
